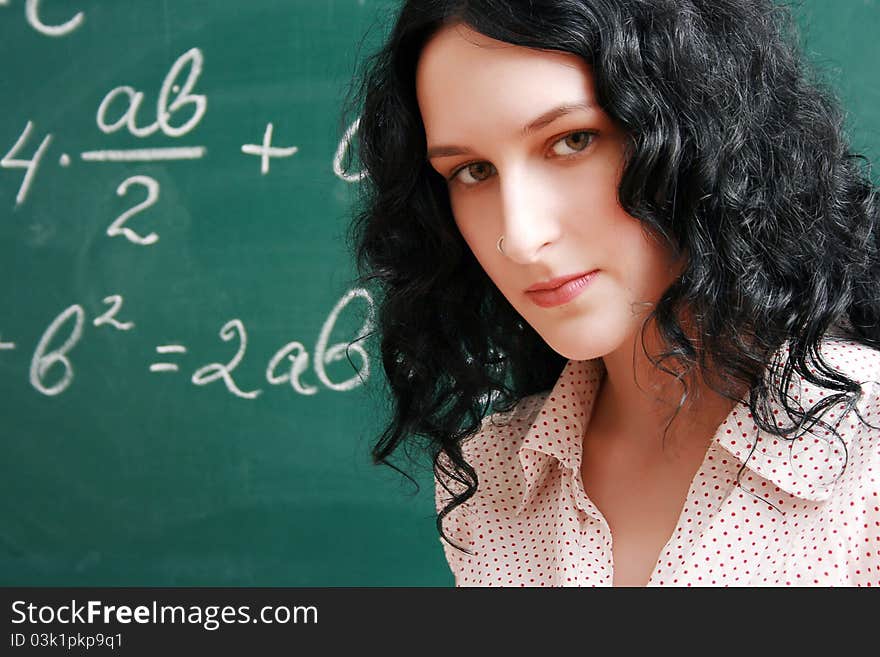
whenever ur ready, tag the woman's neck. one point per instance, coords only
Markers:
(636, 402)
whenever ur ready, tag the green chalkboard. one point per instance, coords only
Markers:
(176, 296)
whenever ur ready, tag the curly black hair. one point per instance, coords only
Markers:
(736, 158)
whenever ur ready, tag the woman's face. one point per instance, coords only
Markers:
(529, 155)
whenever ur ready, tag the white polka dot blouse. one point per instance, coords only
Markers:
(801, 512)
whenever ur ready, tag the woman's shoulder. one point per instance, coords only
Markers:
(857, 425)
(492, 452)
(854, 359)
(505, 430)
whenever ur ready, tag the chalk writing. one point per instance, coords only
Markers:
(267, 150)
(145, 154)
(183, 97)
(43, 359)
(231, 329)
(167, 349)
(325, 355)
(341, 151)
(296, 352)
(109, 317)
(117, 227)
(32, 12)
(11, 161)
(179, 110)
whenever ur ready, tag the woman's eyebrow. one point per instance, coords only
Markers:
(541, 121)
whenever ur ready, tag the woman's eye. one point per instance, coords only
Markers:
(477, 172)
(573, 143)
(471, 174)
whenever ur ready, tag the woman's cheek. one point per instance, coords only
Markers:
(475, 227)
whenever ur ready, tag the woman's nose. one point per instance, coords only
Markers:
(528, 223)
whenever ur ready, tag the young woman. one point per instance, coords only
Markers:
(630, 293)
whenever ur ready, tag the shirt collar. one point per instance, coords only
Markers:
(557, 428)
(806, 466)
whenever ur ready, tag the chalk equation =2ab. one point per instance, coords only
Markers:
(53, 365)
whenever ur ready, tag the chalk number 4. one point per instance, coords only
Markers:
(12, 161)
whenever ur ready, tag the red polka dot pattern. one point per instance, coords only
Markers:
(804, 513)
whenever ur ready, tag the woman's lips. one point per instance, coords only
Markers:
(567, 290)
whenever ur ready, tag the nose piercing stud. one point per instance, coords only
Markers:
(499, 245)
